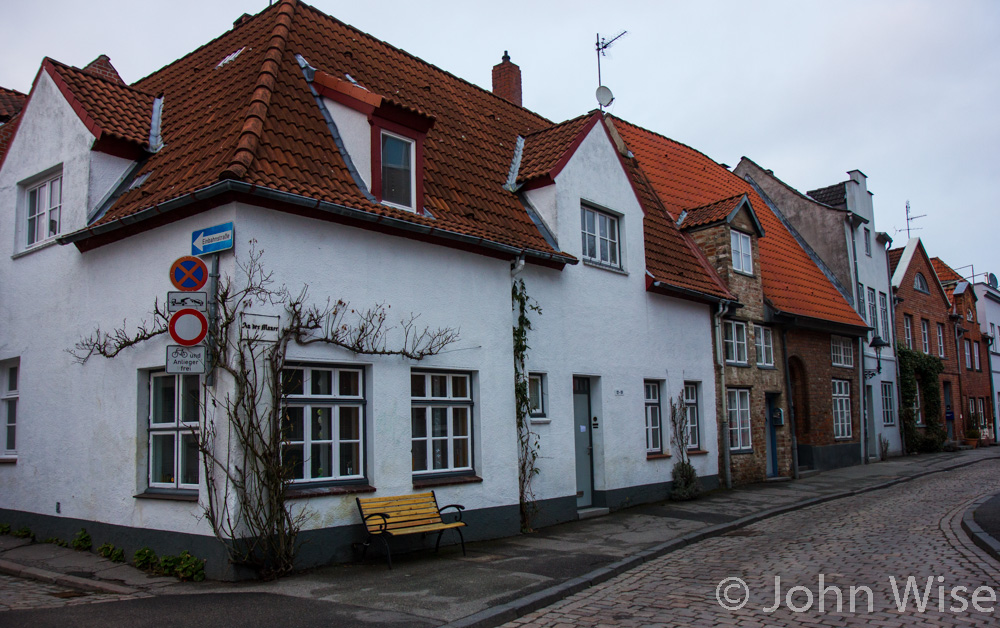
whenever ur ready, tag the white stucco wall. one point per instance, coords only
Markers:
(356, 132)
(988, 311)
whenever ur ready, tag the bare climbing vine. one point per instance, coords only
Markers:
(527, 440)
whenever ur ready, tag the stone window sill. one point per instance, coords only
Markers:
(322, 491)
(446, 481)
(657, 456)
(177, 496)
(8, 459)
(697, 452)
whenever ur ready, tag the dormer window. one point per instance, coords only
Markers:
(39, 210)
(742, 252)
(397, 170)
(919, 283)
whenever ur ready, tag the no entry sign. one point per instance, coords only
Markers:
(188, 327)
(188, 273)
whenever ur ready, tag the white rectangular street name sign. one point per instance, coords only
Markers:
(187, 300)
(259, 327)
(186, 360)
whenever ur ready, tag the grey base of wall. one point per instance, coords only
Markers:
(826, 457)
(338, 544)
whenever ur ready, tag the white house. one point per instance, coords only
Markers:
(988, 306)
(370, 177)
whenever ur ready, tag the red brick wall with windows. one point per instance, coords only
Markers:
(974, 382)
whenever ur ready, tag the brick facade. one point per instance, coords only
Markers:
(974, 381)
(764, 382)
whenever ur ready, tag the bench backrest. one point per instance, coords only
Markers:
(401, 511)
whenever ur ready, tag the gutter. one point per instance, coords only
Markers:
(693, 294)
(721, 363)
(296, 200)
(859, 304)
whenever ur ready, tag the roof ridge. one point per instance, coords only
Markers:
(426, 63)
(12, 91)
(253, 123)
(557, 125)
(794, 190)
(671, 140)
(65, 66)
(721, 200)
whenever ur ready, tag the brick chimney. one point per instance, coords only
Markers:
(101, 66)
(507, 80)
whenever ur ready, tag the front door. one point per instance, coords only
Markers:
(584, 443)
(772, 437)
(870, 422)
(949, 411)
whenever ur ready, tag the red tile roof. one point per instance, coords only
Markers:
(684, 178)
(894, 256)
(945, 272)
(7, 132)
(546, 151)
(11, 102)
(712, 213)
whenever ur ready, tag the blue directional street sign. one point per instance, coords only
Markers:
(212, 239)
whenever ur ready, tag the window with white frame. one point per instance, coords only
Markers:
(925, 335)
(599, 232)
(982, 412)
(841, 351)
(860, 301)
(868, 242)
(993, 334)
(735, 342)
(888, 404)
(738, 408)
(968, 354)
(537, 395)
(397, 160)
(322, 423)
(841, 408)
(908, 330)
(43, 210)
(975, 355)
(10, 374)
(918, 414)
(654, 428)
(740, 244)
(764, 345)
(691, 414)
(441, 422)
(174, 411)
(872, 311)
(973, 420)
(940, 335)
(920, 284)
(883, 305)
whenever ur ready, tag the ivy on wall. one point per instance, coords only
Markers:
(918, 369)
(527, 440)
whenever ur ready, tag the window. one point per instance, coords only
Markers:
(441, 420)
(763, 343)
(600, 237)
(841, 408)
(993, 333)
(970, 316)
(982, 413)
(940, 330)
(8, 410)
(691, 414)
(872, 311)
(908, 330)
(738, 400)
(883, 305)
(975, 355)
(925, 340)
(888, 404)
(654, 432)
(973, 421)
(842, 351)
(536, 394)
(397, 170)
(736, 342)
(868, 242)
(920, 284)
(43, 210)
(322, 423)
(860, 300)
(174, 411)
(968, 354)
(742, 251)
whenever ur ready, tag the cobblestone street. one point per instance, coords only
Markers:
(874, 540)
(19, 593)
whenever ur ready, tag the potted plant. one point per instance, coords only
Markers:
(972, 436)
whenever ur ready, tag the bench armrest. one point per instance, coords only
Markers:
(382, 524)
(456, 507)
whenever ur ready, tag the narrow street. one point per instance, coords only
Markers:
(876, 540)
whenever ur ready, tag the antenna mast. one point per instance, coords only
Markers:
(909, 219)
(602, 45)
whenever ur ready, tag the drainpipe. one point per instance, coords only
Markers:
(791, 407)
(721, 363)
(859, 302)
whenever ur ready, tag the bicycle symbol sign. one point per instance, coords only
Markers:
(188, 273)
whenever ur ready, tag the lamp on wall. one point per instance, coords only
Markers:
(878, 344)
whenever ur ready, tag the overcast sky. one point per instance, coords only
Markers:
(907, 91)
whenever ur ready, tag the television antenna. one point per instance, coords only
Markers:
(910, 219)
(604, 95)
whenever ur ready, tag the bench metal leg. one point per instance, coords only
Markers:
(368, 541)
(460, 538)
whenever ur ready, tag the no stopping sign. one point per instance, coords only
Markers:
(188, 327)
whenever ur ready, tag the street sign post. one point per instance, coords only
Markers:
(212, 239)
(188, 327)
(186, 360)
(188, 273)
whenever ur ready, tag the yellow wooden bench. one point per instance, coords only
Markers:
(400, 515)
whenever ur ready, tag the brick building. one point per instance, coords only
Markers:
(976, 403)
(923, 323)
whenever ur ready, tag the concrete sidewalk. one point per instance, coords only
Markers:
(503, 579)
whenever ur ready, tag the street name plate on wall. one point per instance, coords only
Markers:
(185, 360)
(259, 327)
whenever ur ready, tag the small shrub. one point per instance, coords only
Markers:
(4, 528)
(56, 541)
(108, 550)
(184, 567)
(146, 558)
(82, 541)
(23, 532)
(117, 556)
(686, 483)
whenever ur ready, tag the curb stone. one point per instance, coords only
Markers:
(73, 582)
(983, 539)
(498, 615)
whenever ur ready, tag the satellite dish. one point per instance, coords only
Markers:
(992, 280)
(604, 96)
